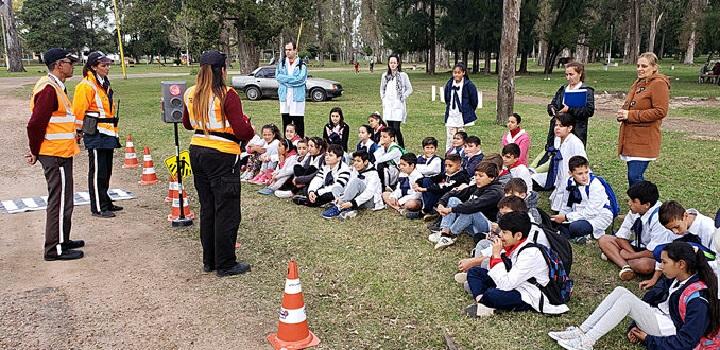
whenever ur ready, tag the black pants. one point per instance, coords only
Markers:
(297, 120)
(217, 181)
(398, 135)
(59, 176)
(99, 172)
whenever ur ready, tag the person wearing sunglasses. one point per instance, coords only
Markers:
(51, 136)
(94, 109)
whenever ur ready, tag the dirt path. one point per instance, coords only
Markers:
(140, 285)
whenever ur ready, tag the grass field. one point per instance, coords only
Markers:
(375, 282)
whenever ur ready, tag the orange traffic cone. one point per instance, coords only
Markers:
(131, 160)
(175, 211)
(148, 173)
(172, 189)
(293, 331)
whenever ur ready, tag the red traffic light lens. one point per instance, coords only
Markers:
(174, 90)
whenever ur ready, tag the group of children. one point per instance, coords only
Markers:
(522, 256)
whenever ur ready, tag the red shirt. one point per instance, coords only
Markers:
(45, 104)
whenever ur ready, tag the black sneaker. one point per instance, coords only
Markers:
(114, 207)
(208, 268)
(66, 255)
(300, 200)
(238, 269)
(413, 215)
(104, 214)
(73, 244)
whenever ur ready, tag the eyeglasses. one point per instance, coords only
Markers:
(66, 61)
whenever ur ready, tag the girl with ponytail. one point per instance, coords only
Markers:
(680, 312)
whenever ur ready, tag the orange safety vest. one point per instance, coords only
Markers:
(216, 127)
(60, 133)
(91, 100)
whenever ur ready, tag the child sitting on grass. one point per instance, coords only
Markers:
(473, 154)
(458, 144)
(586, 211)
(387, 157)
(642, 222)
(336, 131)
(363, 191)
(267, 153)
(517, 187)
(285, 150)
(469, 208)
(377, 124)
(517, 135)
(366, 143)
(404, 198)
(429, 164)
(509, 288)
(284, 172)
(432, 189)
(513, 165)
(330, 181)
(305, 171)
(291, 134)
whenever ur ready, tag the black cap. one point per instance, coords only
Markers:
(96, 57)
(214, 58)
(55, 54)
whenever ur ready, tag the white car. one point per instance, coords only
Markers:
(261, 83)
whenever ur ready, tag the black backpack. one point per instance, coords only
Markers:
(558, 244)
(559, 289)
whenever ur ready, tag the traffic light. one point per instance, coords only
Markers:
(172, 100)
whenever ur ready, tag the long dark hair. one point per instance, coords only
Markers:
(697, 264)
(399, 67)
(339, 111)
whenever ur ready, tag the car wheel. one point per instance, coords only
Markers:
(318, 95)
(253, 93)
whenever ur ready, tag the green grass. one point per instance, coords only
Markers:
(375, 281)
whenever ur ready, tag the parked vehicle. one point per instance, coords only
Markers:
(261, 83)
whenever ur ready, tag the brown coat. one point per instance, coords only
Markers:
(647, 101)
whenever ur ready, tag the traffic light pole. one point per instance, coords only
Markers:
(181, 221)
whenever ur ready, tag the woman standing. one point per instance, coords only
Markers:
(575, 75)
(461, 100)
(395, 88)
(641, 117)
(93, 105)
(214, 111)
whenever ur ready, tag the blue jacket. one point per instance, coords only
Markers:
(697, 317)
(295, 80)
(468, 103)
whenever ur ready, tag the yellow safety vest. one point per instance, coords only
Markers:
(216, 128)
(60, 133)
(91, 100)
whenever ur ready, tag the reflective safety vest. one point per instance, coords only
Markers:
(220, 135)
(91, 100)
(60, 133)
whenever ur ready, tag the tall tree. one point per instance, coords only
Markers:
(13, 51)
(526, 39)
(633, 33)
(508, 55)
(562, 28)
(693, 16)
(370, 27)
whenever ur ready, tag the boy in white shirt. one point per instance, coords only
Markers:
(568, 145)
(363, 191)
(512, 164)
(404, 198)
(330, 181)
(387, 157)
(636, 257)
(429, 164)
(586, 210)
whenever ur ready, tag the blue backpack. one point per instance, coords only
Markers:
(614, 205)
(560, 287)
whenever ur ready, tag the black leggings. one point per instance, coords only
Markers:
(398, 135)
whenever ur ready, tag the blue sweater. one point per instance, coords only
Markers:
(468, 100)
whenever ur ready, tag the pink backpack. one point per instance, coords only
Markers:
(690, 292)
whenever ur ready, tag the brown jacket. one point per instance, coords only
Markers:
(647, 101)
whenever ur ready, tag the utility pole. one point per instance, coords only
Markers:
(120, 43)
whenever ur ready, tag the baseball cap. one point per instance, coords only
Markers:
(96, 57)
(214, 58)
(55, 54)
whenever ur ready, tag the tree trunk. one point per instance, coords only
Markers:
(321, 35)
(661, 52)
(431, 54)
(508, 54)
(476, 60)
(488, 62)
(13, 51)
(249, 54)
(582, 50)
(497, 62)
(465, 56)
(523, 63)
(690, 53)
(653, 27)
(550, 55)
(633, 44)
(541, 52)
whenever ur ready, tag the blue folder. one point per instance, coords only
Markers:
(575, 98)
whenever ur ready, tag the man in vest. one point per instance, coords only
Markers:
(51, 134)
(291, 75)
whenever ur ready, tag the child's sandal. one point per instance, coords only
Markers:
(626, 273)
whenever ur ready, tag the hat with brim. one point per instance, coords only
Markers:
(97, 57)
(53, 55)
(213, 58)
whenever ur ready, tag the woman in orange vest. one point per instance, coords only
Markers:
(214, 111)
(93, 106)
(51, 136)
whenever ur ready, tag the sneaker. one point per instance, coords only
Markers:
(413, 215)
(626, 273)
(238, 269)
(266, 191)
(66, 255)
(461, 277)
(104, 214)
(299, 200)
(347, 214)
(73, 244)
(283, 194)
(478, 310)
(434, 237)
(430, 217)
(444, 242)
(580, 240)
(434, 225)
(568, 333)
(582, 342)
(331, 212)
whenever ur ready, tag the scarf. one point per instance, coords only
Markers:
(574, 195)
(404, 185)
(398, 84)
(455, 97)
(514, 133)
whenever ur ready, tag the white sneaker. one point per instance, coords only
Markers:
(578, 343)
(348, 214)
(434, 237)
(283, 194)
(568, 333)
(603, 256)
(479, 310)
(461, 277)
(444, 242)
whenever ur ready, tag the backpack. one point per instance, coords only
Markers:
(614, 205)
(690, 292)
(558, 244)
(559, 289)
(396, 146)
